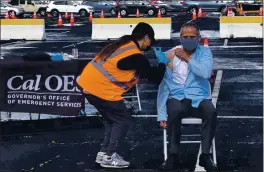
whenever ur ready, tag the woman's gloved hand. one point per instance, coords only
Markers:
(161, 56)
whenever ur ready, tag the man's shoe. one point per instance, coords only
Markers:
(206, 161)
(169, 163)
(99, 157)
(114, 161)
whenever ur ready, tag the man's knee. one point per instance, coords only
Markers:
(174, 108)
(208, 110)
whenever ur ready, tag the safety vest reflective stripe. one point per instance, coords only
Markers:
(109, 76)
(119, 51)
(99, 67)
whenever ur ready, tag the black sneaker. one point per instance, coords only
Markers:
(170, 162)
(206, 161)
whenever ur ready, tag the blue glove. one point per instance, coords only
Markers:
(161, 56)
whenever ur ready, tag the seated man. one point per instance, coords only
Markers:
(185, 87)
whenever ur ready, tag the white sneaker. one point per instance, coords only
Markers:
(99, 157)
(114, 161)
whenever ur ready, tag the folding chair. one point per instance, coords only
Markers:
(188, 121)
(134, 94)
(197, 121)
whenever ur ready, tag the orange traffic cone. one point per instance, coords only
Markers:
(200, 12)
(118, 16)
(35, 15)
(137, 14)
(72, 20)
(66, 15)
(91, 16)
(206, 44)
(102, 14)
(60, 21)
(194, 14)
(261, 11)
(241, 10)
(7, 15)
(13, 15)
(229, 12)
(159, 14)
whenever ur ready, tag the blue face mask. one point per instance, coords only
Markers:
(189, 44)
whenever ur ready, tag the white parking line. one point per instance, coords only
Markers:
(56, 34)
(216, 89)
(240, 68)
(250, 143)
(71, 45)
(58, 29)
(11, 48)
(235, 46)
(241, 117)
(223, 46)
(12, 43)
(23, 116)
(51, 41)
(223, 117)
(86, 58)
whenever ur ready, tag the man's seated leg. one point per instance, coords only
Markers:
(209, 117)
(176, 110)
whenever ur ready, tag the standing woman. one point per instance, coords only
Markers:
(108, 76)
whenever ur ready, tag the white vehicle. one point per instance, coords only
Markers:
(5, 7)
(30, 6)
(56, 7)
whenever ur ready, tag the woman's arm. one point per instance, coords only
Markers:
(141, 64)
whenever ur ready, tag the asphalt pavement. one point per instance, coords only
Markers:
(70, 145)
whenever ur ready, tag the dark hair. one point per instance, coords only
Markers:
(191, 24)
(111, 48)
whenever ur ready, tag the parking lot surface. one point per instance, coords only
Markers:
(71, 144)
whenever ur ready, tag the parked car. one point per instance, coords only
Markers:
(239, 8)
(56, 7)
(30, 6)
(98, 6)
(166, 7)
(205, 5)
(112, 2)
(130, 7)
(5, 7)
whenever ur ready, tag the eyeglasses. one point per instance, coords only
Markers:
(192, 37)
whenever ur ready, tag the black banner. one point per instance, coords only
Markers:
(41, 87)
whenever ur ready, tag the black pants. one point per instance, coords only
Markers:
(117, 120)
(177, 110)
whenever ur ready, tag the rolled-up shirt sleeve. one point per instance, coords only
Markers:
(163, 94)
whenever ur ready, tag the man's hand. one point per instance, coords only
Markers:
(180, 53)
(163, 124)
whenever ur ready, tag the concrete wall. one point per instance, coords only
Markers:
(113, 28)
(18, 29)
(241, 27)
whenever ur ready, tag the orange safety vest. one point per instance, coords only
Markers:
(104, 80)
